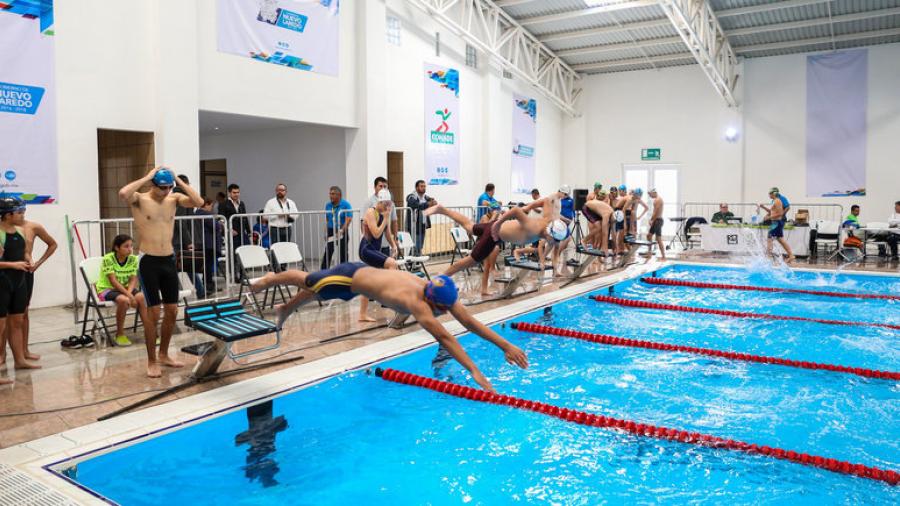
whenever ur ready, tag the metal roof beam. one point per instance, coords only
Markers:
(562, 16)
(617, 47)
(771, 6)
(603, 30)
(696, 23)
(806, 23)
(511, 3)
(791, 25)
(484, 25)
(588, 67)
(818, 40)
(653, 23)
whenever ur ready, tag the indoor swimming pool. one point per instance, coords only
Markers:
(357, 438)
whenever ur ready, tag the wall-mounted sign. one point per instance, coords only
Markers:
(651, 154)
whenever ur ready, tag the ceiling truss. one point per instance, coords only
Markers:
(484, 25)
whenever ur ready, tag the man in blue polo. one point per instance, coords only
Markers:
(337, 211)
(486, 200)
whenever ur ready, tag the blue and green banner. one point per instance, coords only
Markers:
(441, 125)
(28, 165)
(524, 137)
(300, 34)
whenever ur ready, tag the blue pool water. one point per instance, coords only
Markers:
(357, 438)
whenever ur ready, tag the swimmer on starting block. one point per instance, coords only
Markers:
(400, 291)
(513, 226)
(598, 215)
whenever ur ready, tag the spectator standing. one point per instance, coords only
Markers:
(240, 228)
(336, 225)
(418, 201)
(277, 212)
(486, 200)
(382, 184)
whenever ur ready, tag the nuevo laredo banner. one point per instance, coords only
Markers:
(28, 166)
(441, 125)
(524, 134)
(301, 34)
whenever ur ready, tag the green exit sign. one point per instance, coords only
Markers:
(651, 153)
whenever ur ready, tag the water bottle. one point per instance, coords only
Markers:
(754, 219)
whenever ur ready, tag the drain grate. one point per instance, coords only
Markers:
(18, 489)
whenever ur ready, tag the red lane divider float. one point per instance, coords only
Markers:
(721, 286)
(639, 429)
(651, 345)
(735, 314)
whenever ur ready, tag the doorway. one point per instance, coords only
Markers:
(122, 157)
(395, 177)
(663, 177)
(213, 177)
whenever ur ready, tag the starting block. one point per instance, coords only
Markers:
(524, 268)
(228, 322)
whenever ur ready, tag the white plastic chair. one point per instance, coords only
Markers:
(411, 262)
(828, 234)
(287, 253)
(254, 259)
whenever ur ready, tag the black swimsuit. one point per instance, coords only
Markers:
(13, 282)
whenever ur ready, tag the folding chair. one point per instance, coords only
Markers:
(254, 258)
(410, 262)
(288, 254)
(90, 273)
(827, 234)
(460, 242)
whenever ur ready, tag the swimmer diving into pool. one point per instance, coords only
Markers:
(400, 291)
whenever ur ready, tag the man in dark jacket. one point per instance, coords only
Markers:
(418, 201)
(240, 228)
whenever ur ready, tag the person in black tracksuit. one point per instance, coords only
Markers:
(418, 201)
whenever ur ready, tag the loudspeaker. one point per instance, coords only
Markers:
(580, 196)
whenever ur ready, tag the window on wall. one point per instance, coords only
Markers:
(392, 28)
(471, 56)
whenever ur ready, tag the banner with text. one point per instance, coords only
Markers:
(441, 125)
(836, 102)
(300, 34)
(524, 136)
(28, 165)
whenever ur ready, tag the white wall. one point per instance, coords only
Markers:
(486, 109)
(678, 111)
(308, 159)
(775, 117)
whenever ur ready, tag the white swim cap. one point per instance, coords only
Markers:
(619, 215)
(384, 196)
(558, 230)
(565, 189)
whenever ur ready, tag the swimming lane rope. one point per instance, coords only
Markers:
(638, 429)
(746, 357)
(735, 314)
(722, 286)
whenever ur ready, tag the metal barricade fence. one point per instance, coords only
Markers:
(198, 244)
(744, 210)
(309, 230)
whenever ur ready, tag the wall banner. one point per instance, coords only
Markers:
(441, 125)
(300, 34)
(524, 136)
(28, 165)
(836, 102)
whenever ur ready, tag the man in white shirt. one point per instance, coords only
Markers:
(892, 237)
(278, 211)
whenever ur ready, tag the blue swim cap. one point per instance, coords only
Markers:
(622, 187)
(638, 191)
(164, 177)
(441, 290)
